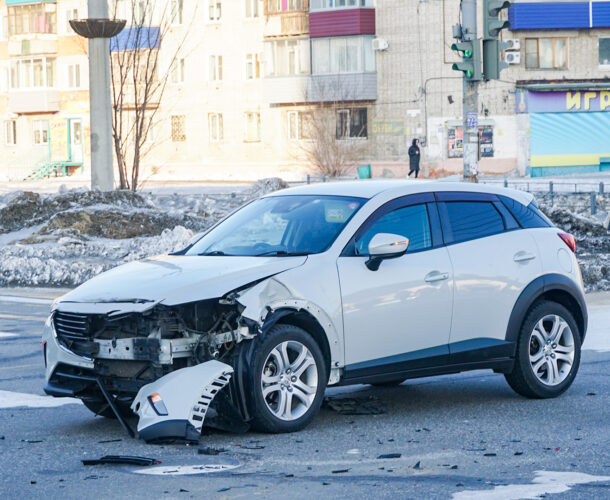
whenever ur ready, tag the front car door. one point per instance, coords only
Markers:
(397, 318)
(493, 261)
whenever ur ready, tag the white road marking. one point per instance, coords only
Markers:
(10, 399)
(4, 335)
(545, 483)
(25, 300)
(186, 470)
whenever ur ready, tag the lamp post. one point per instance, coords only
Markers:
(98, 29)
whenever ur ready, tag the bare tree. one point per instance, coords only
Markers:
(333, 134)
(138, 84)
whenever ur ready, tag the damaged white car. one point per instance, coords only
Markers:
(342, 283)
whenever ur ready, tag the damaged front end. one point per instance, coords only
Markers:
(166, 363)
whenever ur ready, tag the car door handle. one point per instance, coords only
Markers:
(523, 256)
(436, 276)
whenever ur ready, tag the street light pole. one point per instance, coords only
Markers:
(102, 164)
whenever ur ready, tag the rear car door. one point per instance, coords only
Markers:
(398, 317)
(493, 261)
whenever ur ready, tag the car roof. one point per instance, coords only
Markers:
(371, 187)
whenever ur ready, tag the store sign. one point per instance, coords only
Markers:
(577, 101)
(383, 126)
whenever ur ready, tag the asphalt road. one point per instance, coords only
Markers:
(460, 436)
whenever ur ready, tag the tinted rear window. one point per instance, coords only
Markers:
(528, 217)
(469, 220)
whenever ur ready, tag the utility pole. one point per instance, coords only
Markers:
(477, 65)
(99, 29)
(471, 93)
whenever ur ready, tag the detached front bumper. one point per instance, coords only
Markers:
(176, 405)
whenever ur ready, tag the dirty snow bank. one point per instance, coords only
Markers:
(67, 238)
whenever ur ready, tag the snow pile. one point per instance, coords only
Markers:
(266, 186)
(71, 261)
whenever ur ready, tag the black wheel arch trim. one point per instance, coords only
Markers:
(542, 285)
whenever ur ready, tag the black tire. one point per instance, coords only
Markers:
(263, 418)
(522, 379)
(389, 383)
(101, 408)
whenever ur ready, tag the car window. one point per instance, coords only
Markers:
(411, 222)
(528, 217)
(469, 220)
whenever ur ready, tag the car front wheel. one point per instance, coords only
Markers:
(287, 380)
(548, 352)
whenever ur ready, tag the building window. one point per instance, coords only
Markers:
(546, 53)
(604, 51)
(298, 125)
(275, 6)
(215, 127)
(352, 54)
(287, 57)
(71, 14)
(215, 69)
(352, 123)
(253, 127)
(177, 12)
(178, 128)
(10, 132)
(32, 18)
(178, 71)
(253, 66)
(3, 26)
(74, 76)
(340, 4)
(31, 73)
(41, 132)
(252, 8)
(214, 11)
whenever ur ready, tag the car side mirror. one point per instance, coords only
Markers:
(385, 246)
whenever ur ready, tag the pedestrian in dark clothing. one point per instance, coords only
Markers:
(414, 157)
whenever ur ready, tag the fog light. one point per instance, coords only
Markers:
(158, 405)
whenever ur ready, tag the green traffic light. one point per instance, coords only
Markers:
(469, 73)
(467, 54)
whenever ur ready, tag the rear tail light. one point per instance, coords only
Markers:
(569, 240)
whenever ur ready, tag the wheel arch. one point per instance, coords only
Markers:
(553, 287)
(302, 319)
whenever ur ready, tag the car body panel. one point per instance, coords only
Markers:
(394, 310)
(488, 281)
(184, 279)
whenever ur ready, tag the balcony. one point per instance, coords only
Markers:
(33, 101)
(291, 23)
(342, 22)
(25, 47)
(320, 88)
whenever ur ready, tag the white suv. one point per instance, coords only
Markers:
(338, 283)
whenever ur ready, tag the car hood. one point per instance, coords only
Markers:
(171, 280)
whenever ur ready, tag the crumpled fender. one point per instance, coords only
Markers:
(261, 300)
(186, 394)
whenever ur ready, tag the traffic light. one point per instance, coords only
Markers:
(471, 59)
(491, 17)
(492, 59)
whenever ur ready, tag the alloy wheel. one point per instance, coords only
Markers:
(551, 350)
(289, 381)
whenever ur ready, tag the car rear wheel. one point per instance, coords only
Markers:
(548, 352)
(287, 380)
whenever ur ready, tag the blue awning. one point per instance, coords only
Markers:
(559, 15)
(136, 39)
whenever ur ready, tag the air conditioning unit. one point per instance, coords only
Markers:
(512, 57)
(513, 44)
(380, 44)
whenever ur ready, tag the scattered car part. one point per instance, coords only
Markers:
(176, 405)
(122, 460)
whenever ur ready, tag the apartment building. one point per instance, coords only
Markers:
(249, 74)
(44, 102)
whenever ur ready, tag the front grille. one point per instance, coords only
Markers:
(71, 326)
